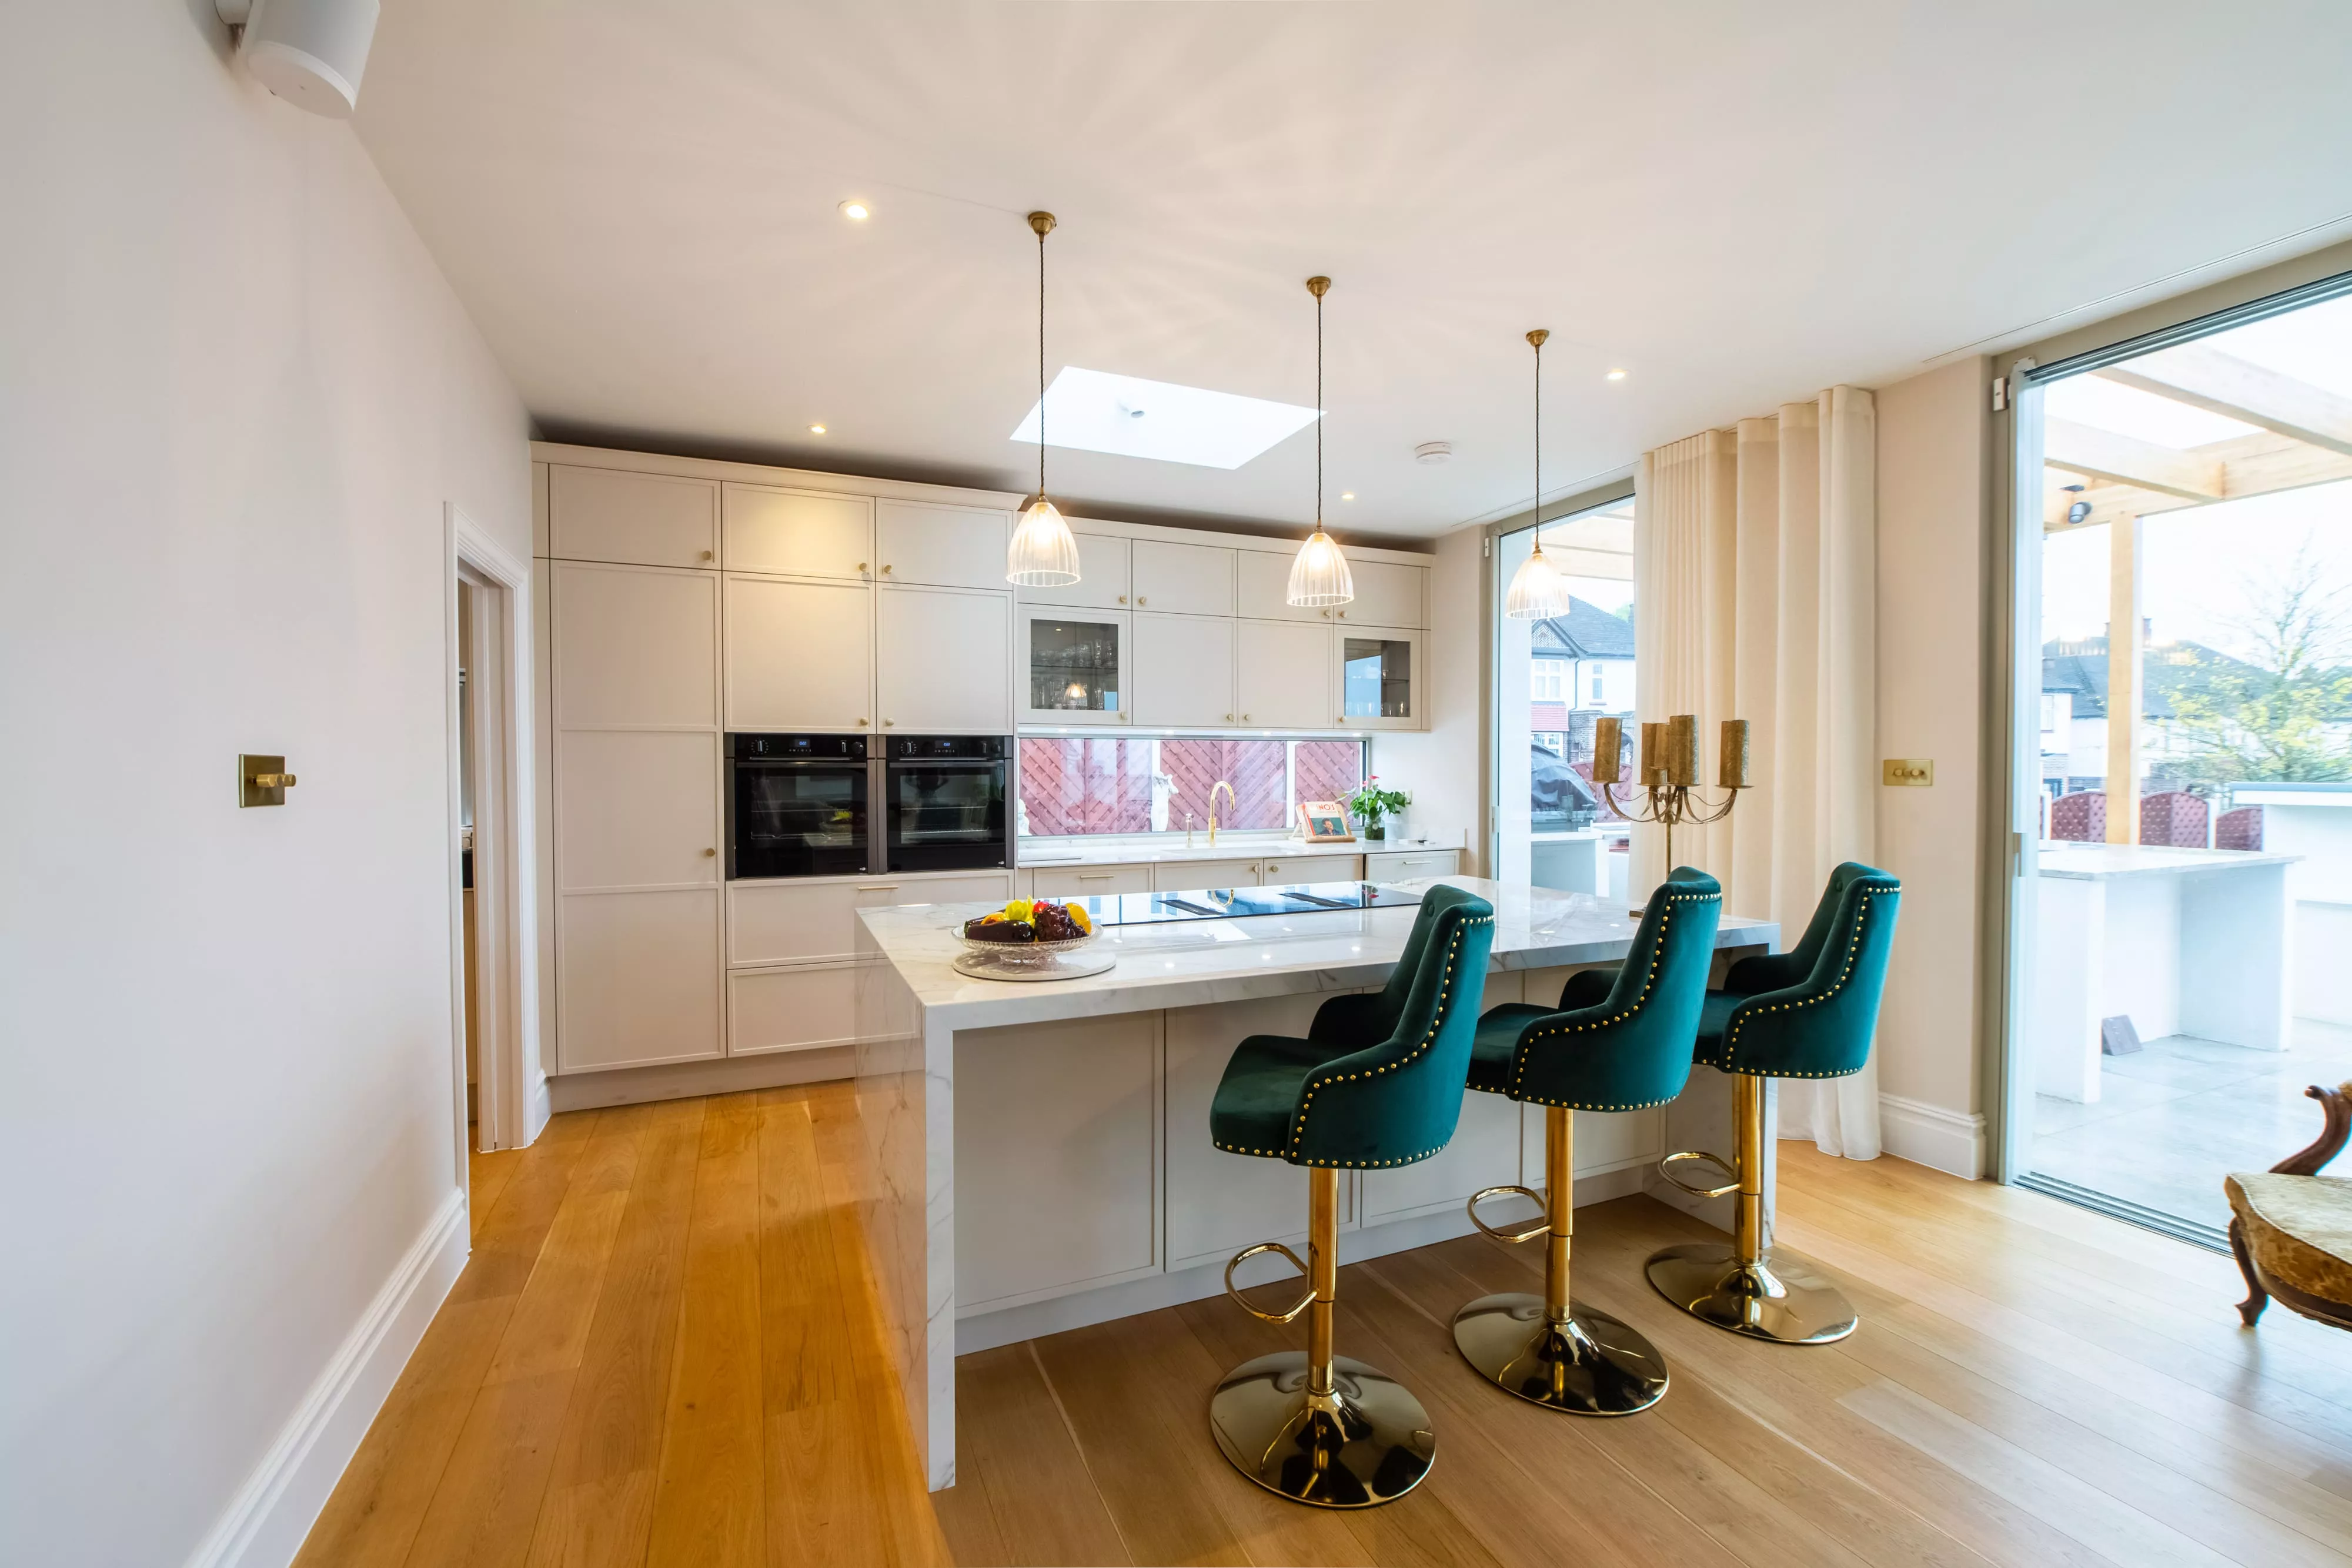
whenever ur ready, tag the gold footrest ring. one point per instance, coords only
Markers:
(1365, 1443)
(1244, 1255)
(1541, 1224)
(1592, 1364)
(1768, 1297)
(1665, 1169)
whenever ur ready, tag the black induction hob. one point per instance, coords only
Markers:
(1242, 903)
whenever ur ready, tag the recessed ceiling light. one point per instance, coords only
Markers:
(1096, 411)
(855, 212)
(816, 430)
(1616, 375)
(1347, 494)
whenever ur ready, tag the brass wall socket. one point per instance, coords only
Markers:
(262, 780)
(1917, 772)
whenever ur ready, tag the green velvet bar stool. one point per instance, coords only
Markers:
(1806, 1013)
(1618, 1041)
(1377, 1083)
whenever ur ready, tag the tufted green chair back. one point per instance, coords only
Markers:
(1396, 1100)
(1810, 1012)
(1632, 1047)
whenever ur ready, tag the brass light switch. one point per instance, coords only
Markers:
(262, 780)
(1918, 772)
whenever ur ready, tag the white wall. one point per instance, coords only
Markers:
(1440, 766)
(1933, 513)
(235, 393)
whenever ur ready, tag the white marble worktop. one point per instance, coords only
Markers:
(2095, 861)
(1188, 963)
(1229, 847)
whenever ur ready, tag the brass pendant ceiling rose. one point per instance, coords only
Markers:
(1319, 576)
(1043, 553)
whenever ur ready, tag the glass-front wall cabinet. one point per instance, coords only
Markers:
(1075, 665)
(1377, 670)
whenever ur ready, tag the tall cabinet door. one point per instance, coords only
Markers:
(943, 660)
(800, 654)
(1184, 671)
(1285, 676)
(635, 678)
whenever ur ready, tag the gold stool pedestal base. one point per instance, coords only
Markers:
(1770, 1298)
(1369, 1442)
(1590, 1365)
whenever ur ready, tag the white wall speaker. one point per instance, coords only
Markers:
(308, 52)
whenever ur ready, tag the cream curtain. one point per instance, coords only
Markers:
(1754, 580)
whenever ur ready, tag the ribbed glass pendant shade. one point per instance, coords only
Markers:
(1537, 591)
(1043, 554)
(1319, 575)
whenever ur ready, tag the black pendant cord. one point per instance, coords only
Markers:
(1538, 514)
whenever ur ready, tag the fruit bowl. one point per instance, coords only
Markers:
(1053, 958)
(1019, 949)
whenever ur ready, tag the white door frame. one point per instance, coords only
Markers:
(512, 1088)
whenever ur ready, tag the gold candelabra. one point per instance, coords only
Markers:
(1666, 793)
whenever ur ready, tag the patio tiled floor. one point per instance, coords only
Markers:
(2175, 1118)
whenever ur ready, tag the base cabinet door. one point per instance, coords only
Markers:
(943, 660)
(1183, 876)
(637, 979)
(1084, 881)
(1219, 1203)
(790, 1010)
(1283, 679)
(1057, 1157)
(1184, 671)
(1483, 1153)
(799, 654)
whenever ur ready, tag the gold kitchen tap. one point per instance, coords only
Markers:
(1231, 798)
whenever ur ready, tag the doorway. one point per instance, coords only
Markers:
(499, 1091)
(2181, 788)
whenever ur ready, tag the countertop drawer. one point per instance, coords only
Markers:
(1087, 880)
(791, 1010)
(1285, 869)
(795, 921)
(1403, 866)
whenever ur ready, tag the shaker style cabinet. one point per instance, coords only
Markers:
(951, 546)
(1262, 579)
(1102, 566)
(1184, 580)
(1284, 680)
(1075, 665)
(634, 655)
(1382, 677)
(800, 654)
(799, 533)
(1387, 594)
(943, 659)
(640, 520)
(1184, 670)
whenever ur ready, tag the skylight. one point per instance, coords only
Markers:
(1095, 410)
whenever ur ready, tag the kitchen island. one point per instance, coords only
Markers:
(1038, 1154)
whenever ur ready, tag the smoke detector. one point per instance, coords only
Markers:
(1432, 452)
(311, 53)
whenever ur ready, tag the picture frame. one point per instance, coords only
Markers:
(1324, 822)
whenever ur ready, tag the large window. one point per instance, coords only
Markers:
(1075, 785)
(1552, 679)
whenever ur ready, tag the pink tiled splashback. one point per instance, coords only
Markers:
(1072, 785)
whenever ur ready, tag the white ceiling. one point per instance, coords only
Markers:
(1740, 204)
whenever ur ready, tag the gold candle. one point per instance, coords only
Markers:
(1682, 749)
(1650, 764)
(1608, 751)
(1733, 764)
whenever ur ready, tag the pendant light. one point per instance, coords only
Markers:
(1319, 576)
(1538, 592)
(1043, 554)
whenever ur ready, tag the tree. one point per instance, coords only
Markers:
(2281, 715)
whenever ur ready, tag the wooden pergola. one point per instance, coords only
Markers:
(2303, 436)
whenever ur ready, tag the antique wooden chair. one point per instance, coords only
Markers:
(2292, 1227)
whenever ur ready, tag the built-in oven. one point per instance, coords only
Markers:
(946, 800)
(800, 805)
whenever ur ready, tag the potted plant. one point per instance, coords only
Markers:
(1370, 805)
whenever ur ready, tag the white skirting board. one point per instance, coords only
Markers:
(685, 1080)
(265, 1524)
(1930, 1135)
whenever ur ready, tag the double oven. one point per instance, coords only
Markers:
(851, 805)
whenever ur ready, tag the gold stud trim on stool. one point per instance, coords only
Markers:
(1853, 951)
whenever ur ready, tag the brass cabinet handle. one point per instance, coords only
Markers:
(1327, 615)
(1140, 600)
(886, 569)
(710, 854)
(889, 723)
(1122, 598)
(1245, 718)
(861, 565)
(861, 723)
(273, 781)
(709, 556)
(1229, 719)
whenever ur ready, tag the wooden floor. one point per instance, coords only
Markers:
(664, 1352)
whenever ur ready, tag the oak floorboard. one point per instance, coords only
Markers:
(666, 1348)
